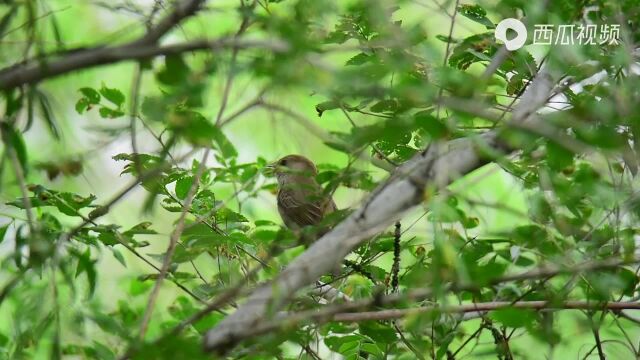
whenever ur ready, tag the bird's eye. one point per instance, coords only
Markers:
(283, 162)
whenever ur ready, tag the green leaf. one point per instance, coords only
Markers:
(223, 144)
(432, 125)
(378, 333)
(138, 287)
(476, 13)
(516, 84)
(154, 108)
(113, 95)
(13, 138)
(389, 105)
(182, 187)
(335, 343)
(514, 318)
(226, 215)
(193, 127)
(101, 351)
(118, 255)
(199, 232)
(91, 95)
(603, 136)
(327, 105)
(359, 59)
(174, 72)
(196, 240)
(264, 223)
(457, 81)
(13, 103)
(108, 113)
(3, 231)
(141, 228)
(82, 105)
(47, 113)
(87, 265)
(475, 48)
(372, 349)
(65, 202)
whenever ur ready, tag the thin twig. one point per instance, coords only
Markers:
(596, 336)
(135, 95)
(6, 290)
(17, 167)
(446, 52)
(407, 343)
(172, 246)
(232, 65)
(474, 335)
(182, 10)
(57, 349)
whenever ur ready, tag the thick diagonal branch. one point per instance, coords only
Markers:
(437, 167)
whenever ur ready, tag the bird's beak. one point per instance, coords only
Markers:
(270, 169)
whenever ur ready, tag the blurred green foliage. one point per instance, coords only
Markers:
(358, 86)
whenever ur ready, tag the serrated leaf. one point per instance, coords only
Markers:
(113, 95)
(476, 13)
(91, 95)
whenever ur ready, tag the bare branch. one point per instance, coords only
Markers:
(183, 10)
(232, 68)
(33, 71)
(320, 317)
(391, 314)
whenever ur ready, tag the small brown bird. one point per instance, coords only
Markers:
(301, 201)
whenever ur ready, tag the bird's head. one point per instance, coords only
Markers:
(292, 166)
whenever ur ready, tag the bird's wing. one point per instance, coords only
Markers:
(302, 211)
